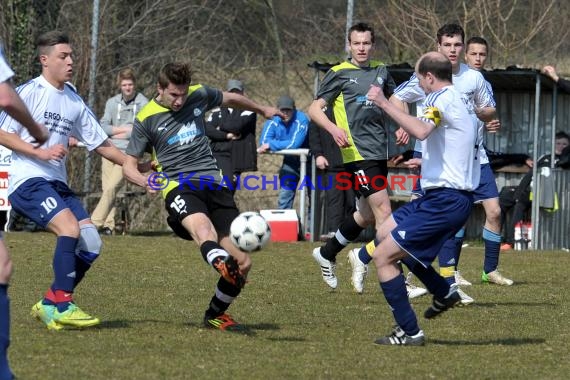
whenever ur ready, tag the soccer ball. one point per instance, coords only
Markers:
(249, 231)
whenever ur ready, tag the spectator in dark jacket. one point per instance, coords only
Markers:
(518, 198)
(338, 203)
(232, 137)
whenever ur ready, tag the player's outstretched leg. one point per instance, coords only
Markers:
(328, 268)
(216, 316)
(442, 304)
(407, 331)
(223, 263)
(325, 256)
(359, 270)
(491, 274)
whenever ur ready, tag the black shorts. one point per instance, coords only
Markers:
(218, 204)
(369, 176)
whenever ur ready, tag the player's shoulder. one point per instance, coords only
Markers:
(71, 93)
(341, 66)
(465, 70)
(377, 64)
(30, 87)
(152, 108)
(196, 89)
(441, 96)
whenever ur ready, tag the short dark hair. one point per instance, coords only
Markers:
(47, 40)
(450, 30)
(477, 40)
(361, 27)
(437, 64)
(175, 73)
(562, 135)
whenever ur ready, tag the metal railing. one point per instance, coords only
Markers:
(303, 153)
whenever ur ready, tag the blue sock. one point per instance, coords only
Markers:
(83, 263)
(434, 283)
(448, 256)
(64, 266)
(458, 239)
(5, 372)
(492, 248)
(397, 297)
(365, 253)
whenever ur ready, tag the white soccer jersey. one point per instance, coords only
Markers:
(5, 70)
(64, 113)
(411, 92)
(483, 158)
(475, 90)
(449, 153)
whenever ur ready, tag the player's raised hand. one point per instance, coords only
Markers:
(269, 112)
(376, 95)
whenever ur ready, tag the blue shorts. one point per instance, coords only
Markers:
(425, 223)
(40, 200)
(487, 188)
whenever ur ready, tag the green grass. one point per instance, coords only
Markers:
(151, 292)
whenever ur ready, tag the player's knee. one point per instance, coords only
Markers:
(5, 270)
(493, 215)
(89, 245)
(5, 264)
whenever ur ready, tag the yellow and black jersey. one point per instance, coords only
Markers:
(178, 139)
(345, 87)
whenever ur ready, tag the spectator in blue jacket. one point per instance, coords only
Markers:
(290, 132)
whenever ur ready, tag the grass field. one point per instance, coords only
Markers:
(151, 293)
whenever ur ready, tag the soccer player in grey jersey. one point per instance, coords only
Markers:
(200, 205)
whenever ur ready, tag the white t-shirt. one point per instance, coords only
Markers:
(64, 113)
(5, 70)
(475, 90)
(449, 153)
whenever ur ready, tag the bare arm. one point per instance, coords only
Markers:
(318, 116)
(486, 114)
(13, 142)
(11, 102)
(235, 100)
(400, 104)
(108, 150)
(410, 124)
(132, 173)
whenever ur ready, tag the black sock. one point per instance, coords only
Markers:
(222, 299)
(346, 233)
(211, 250)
